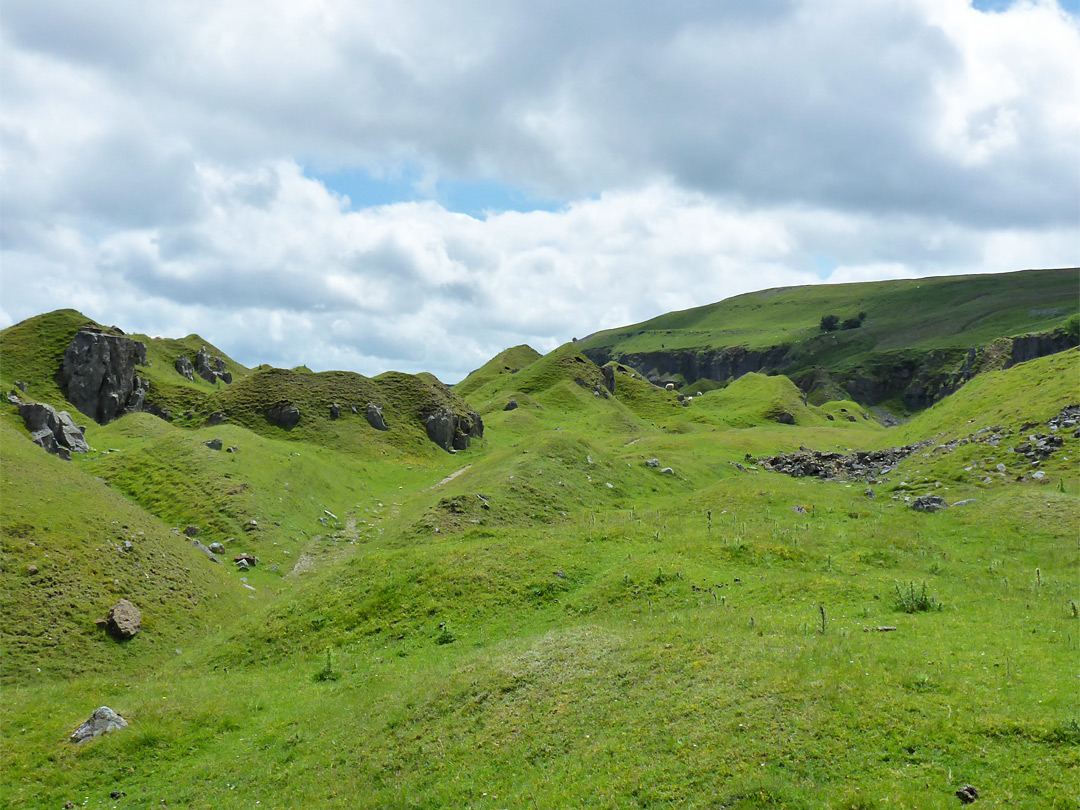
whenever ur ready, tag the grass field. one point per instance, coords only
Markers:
(544, 620)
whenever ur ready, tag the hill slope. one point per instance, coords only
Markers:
(918, 340)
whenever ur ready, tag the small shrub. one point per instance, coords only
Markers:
(912, 601)
(445, 637)
(851, 323)
(830, 323)
(328, 673)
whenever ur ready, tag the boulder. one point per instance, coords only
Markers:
(210, 368)
(56, 432)
(652, 462)
(214, 444)
(102, 721)
(98, 374)
(511, 405)
(185, 368)
(216, 419)
(124, 619)
(284, 415)
(217, 548)
(374, 417)
(786, 418)
(335, 411)
(440, 428)
(452, 431)
(929, 503)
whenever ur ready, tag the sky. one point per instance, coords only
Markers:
(419, 185)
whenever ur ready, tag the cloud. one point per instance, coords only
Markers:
(159, 162)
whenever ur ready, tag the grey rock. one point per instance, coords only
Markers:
(156, 410)
(609, 378)
(208, 552)
(21, 386)
(216, 419)
(184, 367)
(98, 374)
(929, 503)
(284, 415)
(214, 444)
(440, 428)
(191, 531)
(55, 432)
(511, 405)
(667, 471)
(103, 721)
(217, 548)
(452, 431)
(964, 502)
(786, 418)
(124, 619)
(374, 417)
(335, 411)
(869, 493)
(652, 462)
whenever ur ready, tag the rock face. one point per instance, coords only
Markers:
(452, 431)
(124, 619)
(210, 368)
(929, 503)
(56, 432)
(609, 378)
(102, 721)
(375, 418)
(284, 415)
(98, 375)
(185, 368)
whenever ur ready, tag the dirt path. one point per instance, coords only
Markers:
(451, 476)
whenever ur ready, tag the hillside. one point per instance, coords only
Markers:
(615, 596)
(918, 340)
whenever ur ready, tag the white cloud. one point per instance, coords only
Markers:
(151, 160)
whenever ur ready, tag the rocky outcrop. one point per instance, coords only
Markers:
(452, 431)
(98, 374)
(692, 364)
(55, 432)
(918, 379)
(374, 417)
(124, 620)
(103, 721)
(335, 411)
(210, 368)
(185, 368)
(284, 415)
(1032, 347)
(839, 466)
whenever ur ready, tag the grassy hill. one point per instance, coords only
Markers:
(910, 329)
(545, 619)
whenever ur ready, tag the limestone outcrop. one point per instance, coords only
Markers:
(98, 374)
(55, 431)
(452, 431)
(284, 415)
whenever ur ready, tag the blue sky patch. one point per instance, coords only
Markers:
(473, 197)
(1071, 6)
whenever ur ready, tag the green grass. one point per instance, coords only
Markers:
(558, 624)
(913, 344)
